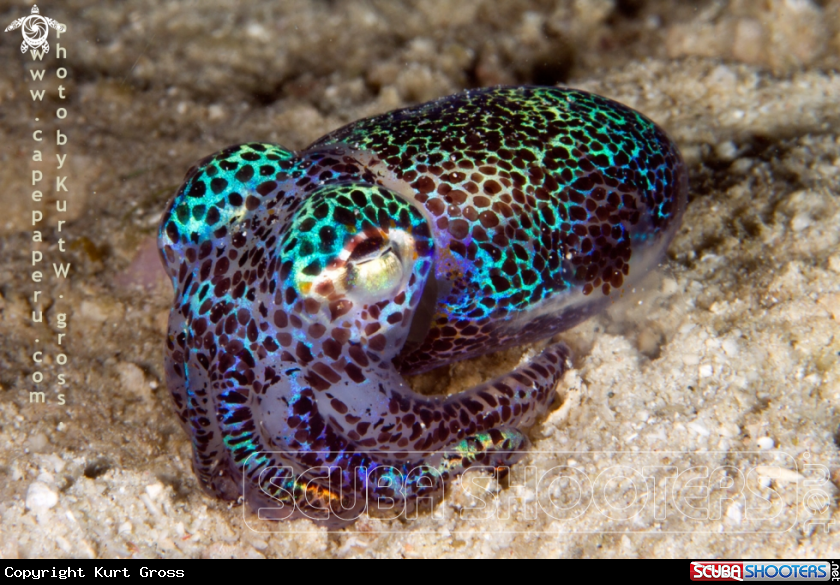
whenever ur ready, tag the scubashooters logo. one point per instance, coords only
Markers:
(35, 29)
(763, 571)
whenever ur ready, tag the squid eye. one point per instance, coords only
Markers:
(369, 269)
(375, 274)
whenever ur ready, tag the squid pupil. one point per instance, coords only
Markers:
(366, 248)
(371, 259)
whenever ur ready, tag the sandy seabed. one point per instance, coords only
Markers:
(725, 363)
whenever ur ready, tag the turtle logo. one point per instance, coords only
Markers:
(35, 29)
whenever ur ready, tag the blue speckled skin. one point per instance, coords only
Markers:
(307, 284)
